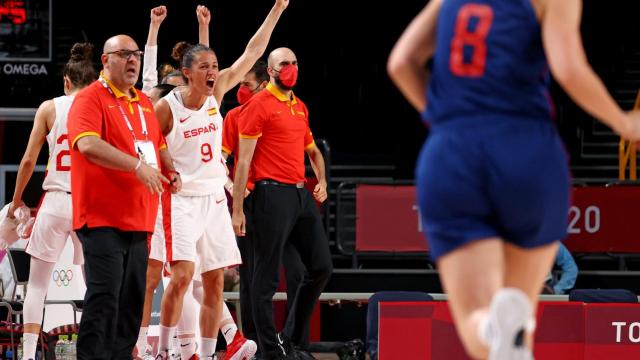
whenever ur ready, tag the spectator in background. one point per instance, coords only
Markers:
(116, 152)
(568, 272)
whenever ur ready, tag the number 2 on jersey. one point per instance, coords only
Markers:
(475, 38)
(63, 153)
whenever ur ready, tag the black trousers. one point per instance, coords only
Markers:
(294, 271)
(280, 215)
(115, 266)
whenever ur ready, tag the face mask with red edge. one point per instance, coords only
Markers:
(244, 94)
(288, 76)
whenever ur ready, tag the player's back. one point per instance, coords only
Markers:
(489, 63)
(59, 165)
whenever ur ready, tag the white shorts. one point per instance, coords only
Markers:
(52, 228)
(199, 230)
(157, 246)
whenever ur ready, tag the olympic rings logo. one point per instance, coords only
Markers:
(62, 277)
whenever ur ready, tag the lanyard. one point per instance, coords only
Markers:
(124, 115)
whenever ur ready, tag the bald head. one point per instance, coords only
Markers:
(118, 42)
(121, 60)
(279, 55)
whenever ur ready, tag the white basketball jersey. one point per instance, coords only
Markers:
(195, 145)
(59, 165)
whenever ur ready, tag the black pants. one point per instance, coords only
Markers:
(280, 215)
(294, 271)
(115, 266)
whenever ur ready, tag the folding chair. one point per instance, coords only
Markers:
(373, 313)
(20, 263)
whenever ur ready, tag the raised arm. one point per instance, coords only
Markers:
(204, 18)
(230, 77)
(569, 66)
(45, 115)
(406, 65)
(150, 62)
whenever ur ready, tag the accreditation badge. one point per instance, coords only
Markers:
(147, 152)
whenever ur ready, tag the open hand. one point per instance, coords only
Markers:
(151, 178)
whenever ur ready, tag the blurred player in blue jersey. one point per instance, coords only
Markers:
(493, 178)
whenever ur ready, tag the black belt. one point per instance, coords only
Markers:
(298, 185)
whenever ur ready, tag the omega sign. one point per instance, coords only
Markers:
(23, 69)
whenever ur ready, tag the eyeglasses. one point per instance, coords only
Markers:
(126, 54)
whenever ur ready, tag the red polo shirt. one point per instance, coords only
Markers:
(102, 196)
(230, 143)
(281, 126)
(230, 131)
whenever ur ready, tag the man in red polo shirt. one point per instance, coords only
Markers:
(116, 151)
(274, 136)
(253, 82)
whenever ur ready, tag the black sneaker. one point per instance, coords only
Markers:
(285, 345)
(304, 355)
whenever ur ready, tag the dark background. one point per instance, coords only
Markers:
(342, 49)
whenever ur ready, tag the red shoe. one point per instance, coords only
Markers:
(194, 357)
(240, 348)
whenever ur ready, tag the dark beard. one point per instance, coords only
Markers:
(281, 85)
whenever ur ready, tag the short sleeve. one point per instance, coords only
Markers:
(230, 131)
(251, 120)
(308, 136)
(85, 116)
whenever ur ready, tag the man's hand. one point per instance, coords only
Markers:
(239, 223)
(203, 14)
(151, 178)
(158, 14)
(12, 209)
(320, 192)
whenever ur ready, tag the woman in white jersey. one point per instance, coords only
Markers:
(200, 226)
(53, 222)
(157, 255)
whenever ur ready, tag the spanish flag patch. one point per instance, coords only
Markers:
(212, 111)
